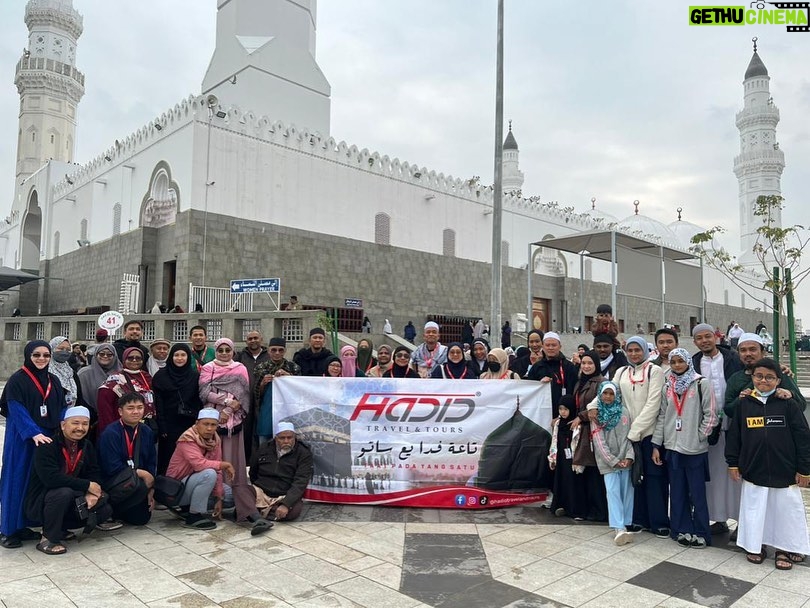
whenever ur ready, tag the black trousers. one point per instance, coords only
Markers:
(59, 513)
(135, 511)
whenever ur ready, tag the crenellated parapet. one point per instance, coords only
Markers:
(313, 143)
(181, 114)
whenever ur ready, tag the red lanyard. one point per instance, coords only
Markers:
(561, 379)
(71, 463)
(678, 405)
(461, 377)
(429, 362)
(42, 391)
(643, 374)
(130, 442)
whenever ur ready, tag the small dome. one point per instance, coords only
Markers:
(646, 227)
(756, 67)
(685, 231)
(602, 218)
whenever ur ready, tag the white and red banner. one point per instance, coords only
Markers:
(421, 443)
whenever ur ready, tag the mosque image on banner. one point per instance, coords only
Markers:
(406, 442)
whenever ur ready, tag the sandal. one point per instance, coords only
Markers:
(49, 548)
(757, 558)
(782, 561)
(796, 558)
(69, 535)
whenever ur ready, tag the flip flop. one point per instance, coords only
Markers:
(49, 548)
(782, 561)
(796, 558)
(757, 558)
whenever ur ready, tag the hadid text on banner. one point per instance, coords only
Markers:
(421, 443)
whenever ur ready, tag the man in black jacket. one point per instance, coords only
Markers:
(312, 360)
(554, 368)
(610, 357)
(64, 490)
(282, 469)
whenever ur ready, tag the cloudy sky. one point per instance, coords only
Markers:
(619, 100)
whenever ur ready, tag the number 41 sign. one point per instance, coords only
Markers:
(111, 320)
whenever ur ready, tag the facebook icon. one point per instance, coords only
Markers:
(461, 500)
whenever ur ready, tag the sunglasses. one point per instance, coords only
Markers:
(224, 350)
(40, 355)
(276, 350)
(104, 353)
(402, 356)
(134, 358)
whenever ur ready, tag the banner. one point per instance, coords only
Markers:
(421, 443)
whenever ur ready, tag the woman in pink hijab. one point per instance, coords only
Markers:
(348, 357)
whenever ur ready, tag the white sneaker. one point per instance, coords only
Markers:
(623, 537)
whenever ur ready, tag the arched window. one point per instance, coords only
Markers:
(83, 230)
(56, 238)
(504, 253)
(449, 242)
(116, 219)
(382, 229)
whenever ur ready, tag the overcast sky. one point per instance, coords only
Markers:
(619, 100)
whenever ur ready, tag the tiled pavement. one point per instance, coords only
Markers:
(393, 558)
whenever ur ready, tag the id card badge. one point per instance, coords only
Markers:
(149, 397)
(568, 454)
(678, 424)
(43, 411)
(564, 391)
(69, 400)
(131, 464)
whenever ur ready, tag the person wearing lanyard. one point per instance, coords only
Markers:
(457, 367)
(130, 444)
(554, 368)
(32, 402)
(431, 353)
(131, 379)
(64, 491)
(687, 417)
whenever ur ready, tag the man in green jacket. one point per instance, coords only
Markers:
(752, 348)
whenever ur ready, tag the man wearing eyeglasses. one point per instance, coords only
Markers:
(250, 356)
(263, 375)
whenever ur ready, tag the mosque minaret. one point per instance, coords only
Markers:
(760, 163)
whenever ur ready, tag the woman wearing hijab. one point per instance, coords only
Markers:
(384, 362)
(456, 367)
(104, 364)
(334, 367)
(59, 367)
(590, 486)
(402, 364)
(132, 378)
(478, 360)
(225, 387)
(498, 366)
(177, 401)
(640, 383)
(348, 358)
(365, 356)
(32, 401)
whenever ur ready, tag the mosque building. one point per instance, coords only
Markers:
(246, 180)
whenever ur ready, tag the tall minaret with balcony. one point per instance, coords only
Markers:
(760, 163)
(49, 85)
(512, 179)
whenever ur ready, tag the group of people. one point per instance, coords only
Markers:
(92, 449)
(667, 444)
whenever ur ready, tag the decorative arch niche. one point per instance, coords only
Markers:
(162, 200)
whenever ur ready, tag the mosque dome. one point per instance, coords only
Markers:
(603, 218)
(648, 228)
(684, 231)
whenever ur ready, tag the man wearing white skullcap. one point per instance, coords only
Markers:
(280, 471)
(555, 368)
(65, 475)
(430, 354)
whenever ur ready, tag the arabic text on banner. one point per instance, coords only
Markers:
(421, 443)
